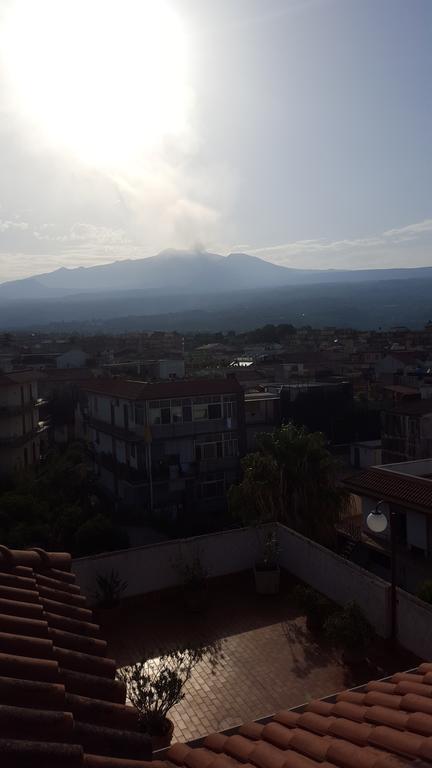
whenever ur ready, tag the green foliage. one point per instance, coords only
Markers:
(155, 685)
(193, 573)
(316, 606)
(290, 479)
(424, 591)
(109, 589)
(349, 628)
(55, 508)
(98, 534)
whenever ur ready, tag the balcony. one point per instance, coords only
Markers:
(120, 433)
(16, 410)
(16, 441)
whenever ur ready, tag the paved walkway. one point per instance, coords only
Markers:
(270, 660)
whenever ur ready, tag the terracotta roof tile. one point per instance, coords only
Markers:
(60, 704)
(393, 487)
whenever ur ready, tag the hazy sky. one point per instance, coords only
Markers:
(297, 130)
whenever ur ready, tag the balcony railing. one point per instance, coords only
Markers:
(14, 410)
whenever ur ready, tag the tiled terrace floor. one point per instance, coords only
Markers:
(270, 661)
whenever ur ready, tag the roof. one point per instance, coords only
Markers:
(386, 724)
(140, 390)
(18, 377)
(67, 374)
(411, 408)
(393, 487)
(400, 389)
(407, 357)
(60, 704)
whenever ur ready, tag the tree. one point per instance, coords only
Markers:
(291, 479)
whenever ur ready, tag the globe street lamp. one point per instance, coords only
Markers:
(377, 522)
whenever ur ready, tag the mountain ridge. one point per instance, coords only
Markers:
(181, 272)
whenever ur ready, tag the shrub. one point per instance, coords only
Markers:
(349, 628)
(155, 685)
(109, 589)
(316, 606)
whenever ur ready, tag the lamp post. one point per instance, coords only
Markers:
(377, 522)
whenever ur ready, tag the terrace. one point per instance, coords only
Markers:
(270, 659)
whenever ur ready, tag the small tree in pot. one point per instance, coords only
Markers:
(155, 685)
(266, 570)
(109, 591)
(195, 584)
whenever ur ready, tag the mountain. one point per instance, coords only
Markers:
(186, 273)
(201, 291)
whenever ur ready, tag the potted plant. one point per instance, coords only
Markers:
(350, 629)
(194, 577)
(266, 570)
(155, 685)
(110, 589)
(316, 606)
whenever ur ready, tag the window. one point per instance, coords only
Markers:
(212, 487)
(133, 450)
(216, 446)
(139, 414)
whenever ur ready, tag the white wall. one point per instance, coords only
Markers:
(336, 577)
(414, 624)
(153, 568)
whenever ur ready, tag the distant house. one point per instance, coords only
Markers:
(74, 358)
(405, 488)
(262, 414)
(406, 431)
(401, 363)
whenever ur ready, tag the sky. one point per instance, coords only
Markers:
(295, 130)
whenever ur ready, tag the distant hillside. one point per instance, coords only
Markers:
(368, 304)
(187, 273)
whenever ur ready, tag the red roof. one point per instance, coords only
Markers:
(395, 487)
(60, 704)
(139, 390)
(387, 724)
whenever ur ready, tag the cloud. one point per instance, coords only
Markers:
(386, 249)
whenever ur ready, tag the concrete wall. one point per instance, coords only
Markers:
(336, 577)
(156, 567)
(414, 624)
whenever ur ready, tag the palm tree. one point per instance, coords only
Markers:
(291, 479)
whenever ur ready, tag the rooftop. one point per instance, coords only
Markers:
(392, 486)
(141, 390)
(60, 704)
(387, 724)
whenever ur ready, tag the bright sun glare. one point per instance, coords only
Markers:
(106, 79)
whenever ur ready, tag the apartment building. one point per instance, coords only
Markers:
(406, 431)
(20, 429)
(167, 447)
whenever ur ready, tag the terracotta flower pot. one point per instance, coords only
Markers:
(162, 740)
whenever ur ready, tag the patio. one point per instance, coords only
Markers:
(270, 659)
